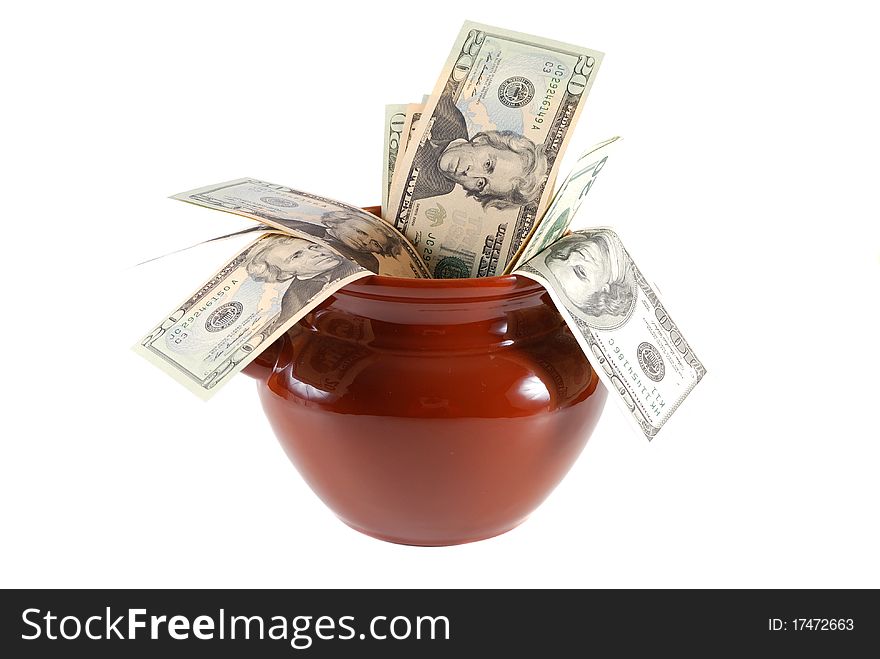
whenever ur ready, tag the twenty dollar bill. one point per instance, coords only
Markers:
(395, 118)
(400, 121)
(473, 182)
(413, 114)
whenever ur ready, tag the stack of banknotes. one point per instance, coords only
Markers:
(468, 190)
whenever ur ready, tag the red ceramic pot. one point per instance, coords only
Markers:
(431, 412)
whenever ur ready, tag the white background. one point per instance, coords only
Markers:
(746, 188)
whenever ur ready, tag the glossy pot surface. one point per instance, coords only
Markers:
(431, 412)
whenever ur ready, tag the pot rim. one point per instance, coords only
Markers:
(502, 287)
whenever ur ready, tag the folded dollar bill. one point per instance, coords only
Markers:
(247, 304)
(620, 324)
(356, 234)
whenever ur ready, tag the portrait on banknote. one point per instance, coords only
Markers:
(594, 274)
(498, 168)
(306, 268)
(353, 236)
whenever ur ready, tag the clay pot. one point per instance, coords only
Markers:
(431, 412)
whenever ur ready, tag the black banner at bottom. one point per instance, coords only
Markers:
(338, 623)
